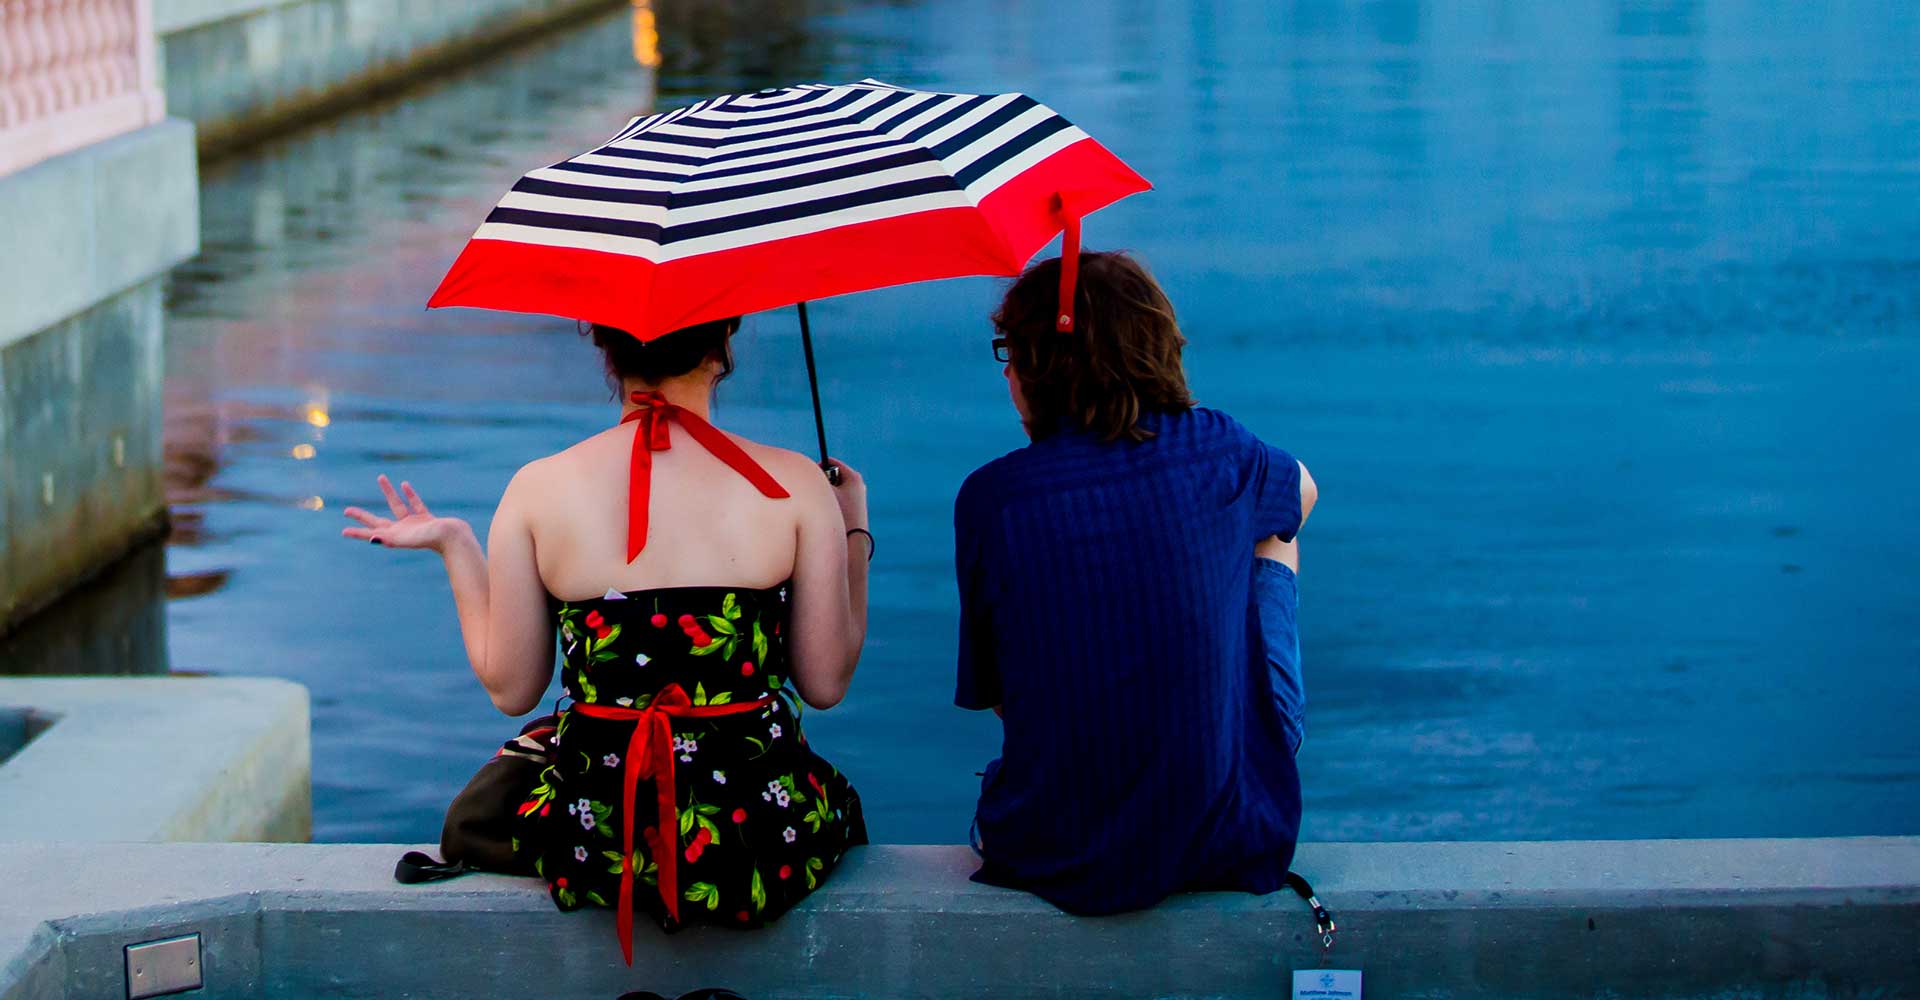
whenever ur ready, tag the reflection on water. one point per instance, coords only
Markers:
(113, 624)
(1595, 322)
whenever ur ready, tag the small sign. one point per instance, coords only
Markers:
(1326, 984)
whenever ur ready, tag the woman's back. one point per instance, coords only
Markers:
(707, 525)
(701, 588)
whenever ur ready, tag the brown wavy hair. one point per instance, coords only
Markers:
(1121, 362)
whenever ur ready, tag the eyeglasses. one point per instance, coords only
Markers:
(1000, 351)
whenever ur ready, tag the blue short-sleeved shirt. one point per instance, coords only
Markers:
(1104, 604)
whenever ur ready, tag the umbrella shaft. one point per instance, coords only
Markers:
(813, 384)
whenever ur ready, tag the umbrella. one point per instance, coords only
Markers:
(749, 202)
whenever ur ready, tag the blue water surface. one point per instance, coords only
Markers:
(1597, 324)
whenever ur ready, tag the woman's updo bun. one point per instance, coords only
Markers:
(666, 356)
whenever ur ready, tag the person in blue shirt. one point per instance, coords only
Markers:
(1127, 605)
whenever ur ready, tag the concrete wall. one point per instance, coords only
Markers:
(243, 69)
(88, 236)
(1747, 918)
(157, 759)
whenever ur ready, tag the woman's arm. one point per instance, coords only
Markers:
(829, 584)
(501, 601)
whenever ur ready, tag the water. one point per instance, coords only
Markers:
(1595, 322)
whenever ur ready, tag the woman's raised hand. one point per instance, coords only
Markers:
(412, 526)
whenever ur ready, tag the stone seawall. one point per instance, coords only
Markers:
(89, 235)
(245, 69)
(1746, 918)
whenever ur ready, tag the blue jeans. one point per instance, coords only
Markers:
(1276, 596)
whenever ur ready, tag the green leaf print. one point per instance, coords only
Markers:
(759, 644)
(614, 867)
(713, 832)
(590, 693)
(566, 897)
(813, 865)
(709, 649)
(703, 892)
(699, 694)
(813, 819)
(722, 698)
(730, 606)
(720, 625)
(759, 892)
(686, 821)
(596, 898)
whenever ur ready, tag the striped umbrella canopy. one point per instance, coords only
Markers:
(748, 202)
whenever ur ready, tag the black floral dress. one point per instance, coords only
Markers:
(689, 685)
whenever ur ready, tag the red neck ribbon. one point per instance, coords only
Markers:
(653, 413)
(650, 755)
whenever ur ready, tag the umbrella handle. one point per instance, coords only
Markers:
(813, 384)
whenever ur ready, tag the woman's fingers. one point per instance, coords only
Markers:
(846, 472)
(414, 503)
(363, 534)
(366, 518)
(393, 499)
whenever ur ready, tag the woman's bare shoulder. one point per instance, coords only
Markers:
(562, 467)
(799, 473)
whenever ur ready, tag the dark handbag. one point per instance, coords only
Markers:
(481, 832)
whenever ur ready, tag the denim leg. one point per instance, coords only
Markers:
(1276, 595)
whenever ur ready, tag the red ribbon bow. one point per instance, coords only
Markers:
(653, 412)
(650, 755)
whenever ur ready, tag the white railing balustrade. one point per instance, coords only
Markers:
(73, 72)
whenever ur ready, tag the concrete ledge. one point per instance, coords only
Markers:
(1636, 918)
(244, 70)
(87, 225)
(157, 759)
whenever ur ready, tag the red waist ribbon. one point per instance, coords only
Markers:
(650, 755)
(653, 413)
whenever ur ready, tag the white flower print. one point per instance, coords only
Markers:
(623, 702)
(788, 835)
(773, 731)
(781, 798)
(767, 795)
(580, 854)
(583, 809)
(611, 760)
(719, 777)
(642, 659)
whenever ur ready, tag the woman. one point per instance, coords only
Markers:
(701, 585)
(1116, 577)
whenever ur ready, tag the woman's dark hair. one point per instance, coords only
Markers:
(670, 354)
(1121, 362)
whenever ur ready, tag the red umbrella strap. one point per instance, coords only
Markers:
(1069, 264)
(653, 413)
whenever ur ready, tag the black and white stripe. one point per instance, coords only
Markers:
(752, 168)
